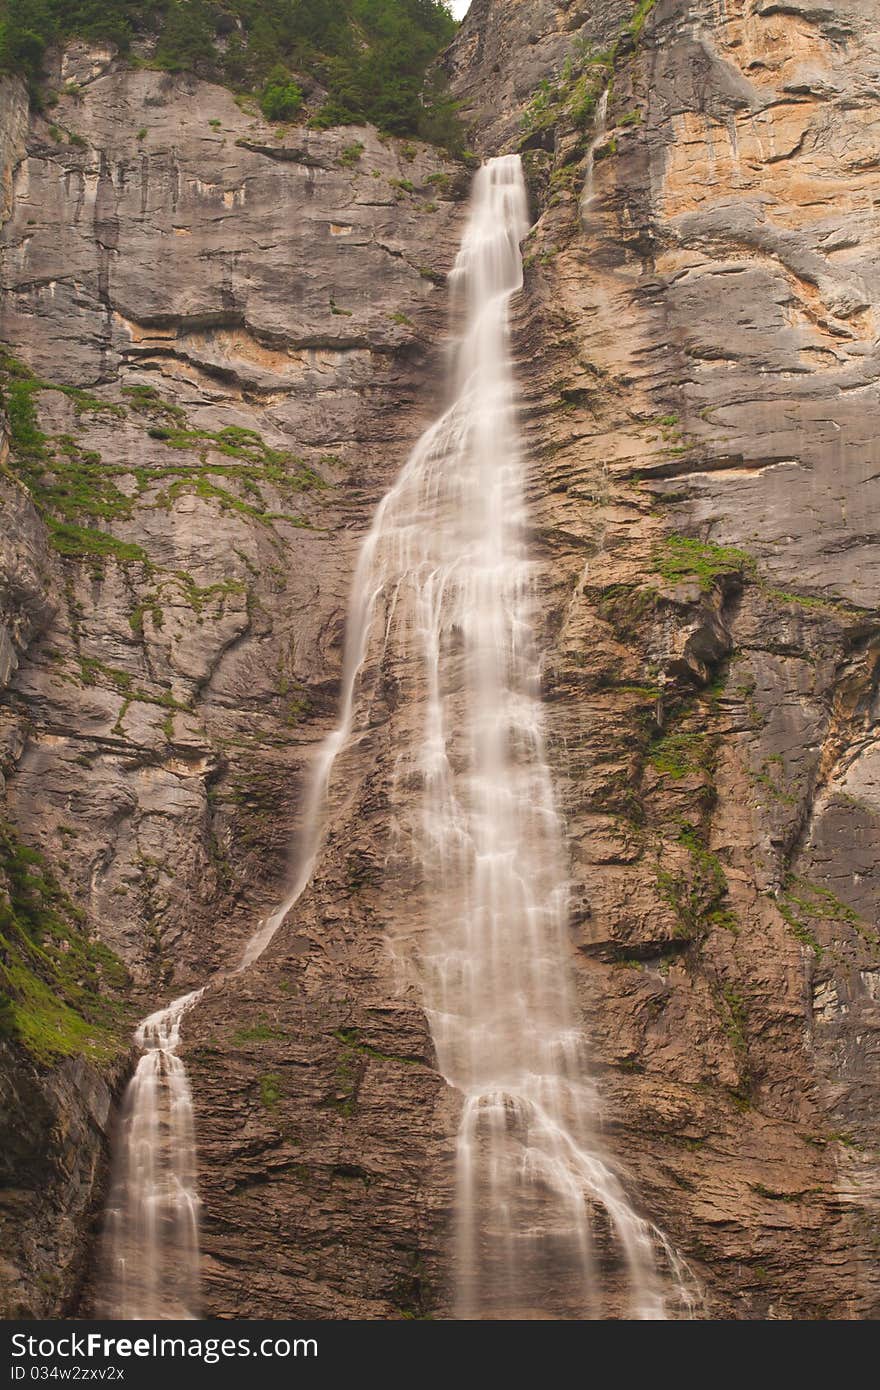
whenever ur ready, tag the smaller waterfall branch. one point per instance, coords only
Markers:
(600, 129)
(151, 1238)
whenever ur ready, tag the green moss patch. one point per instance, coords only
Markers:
(258, 1032)
(682, 754)
(58, 983)
(72, 488)
(270, 1090)
(698, 894)
(78, 494)
(679, 558)
(803, 904)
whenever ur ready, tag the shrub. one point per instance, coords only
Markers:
(281, 99)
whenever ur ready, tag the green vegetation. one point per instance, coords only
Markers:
(771, 779)
(679, 558)
(681, 755)
(280, 99)
(295, 702)
(802, 903)
(734, 1018)
(799, 929)
(639, 19)
(698, 893)
(351, 1038)
(77, 494)
(147, 398)
(811, 602)
(625, 606)
(270, 1090)
(79, 542)
(69, 485)
(98, 673)
(351, 155)
(55, 980)
(371, 56)
(573, 96)
(351, 1061)
(260, 1032)
(261, 464)
(775, 1195)
(347, 1074)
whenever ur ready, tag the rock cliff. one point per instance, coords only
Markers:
(222, 340)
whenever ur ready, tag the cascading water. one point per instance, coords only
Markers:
(600, 130)
(538, 1209)
(152, 1221)
(543, 1225)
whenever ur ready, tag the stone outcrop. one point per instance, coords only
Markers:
(697, 349)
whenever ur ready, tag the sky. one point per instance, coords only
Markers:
(459, 7)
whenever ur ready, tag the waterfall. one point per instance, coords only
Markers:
(151, 1238)
(539, 1212)
(600, 130)
(543, 1225)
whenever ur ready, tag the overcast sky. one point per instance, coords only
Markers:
(459, 7)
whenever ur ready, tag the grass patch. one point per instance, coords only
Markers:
(697, 894)
(626, 606)
(734, 1018)
(681, 755)
(271, 1092)
(95, 672)
(640, 18)
(258, 1032)
(77, 494)
(680, 558)
(803, 903)
(570, 98)
(58, 984)
(770, 778)
(351, 155)
(351, 1038)
(72, 489)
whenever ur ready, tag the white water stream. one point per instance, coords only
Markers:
(543, 1225)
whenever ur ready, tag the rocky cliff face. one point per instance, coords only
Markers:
(225, 336)
(232, 335)
(699, 356)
